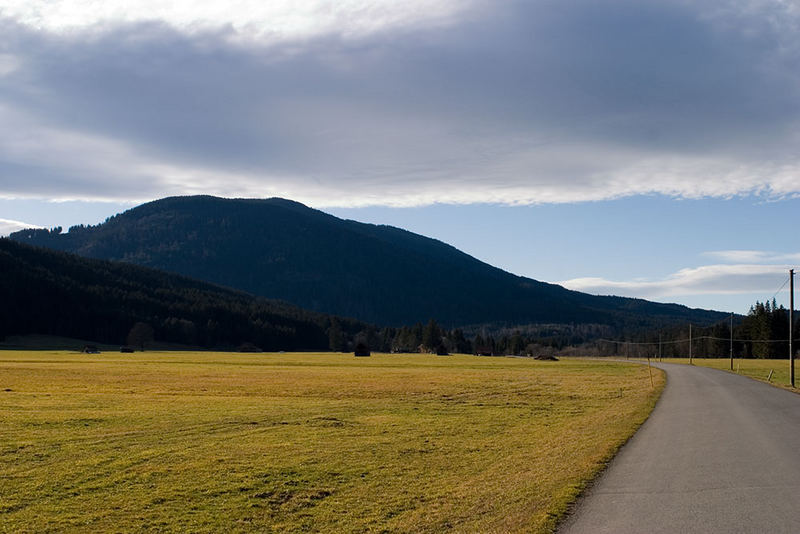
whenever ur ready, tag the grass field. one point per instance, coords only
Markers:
(216, 442)
(754, 368)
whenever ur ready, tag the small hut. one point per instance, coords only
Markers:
(362, 349)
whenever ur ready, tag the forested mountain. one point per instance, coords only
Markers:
(55, 293)
(281, 249)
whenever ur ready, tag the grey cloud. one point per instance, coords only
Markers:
(533, 100)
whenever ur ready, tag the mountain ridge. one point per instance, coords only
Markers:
(279, 248)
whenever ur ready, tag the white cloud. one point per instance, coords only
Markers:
(754, 256)
(719, 279)
(274, 20)
(8, 226)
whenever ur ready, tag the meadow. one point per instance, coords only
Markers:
(221, 442)
(758, 369)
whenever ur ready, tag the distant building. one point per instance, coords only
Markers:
(91, 349)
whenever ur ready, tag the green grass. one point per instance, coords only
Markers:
(216, 442)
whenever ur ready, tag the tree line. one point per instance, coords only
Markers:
(762, 333)
(431, 337)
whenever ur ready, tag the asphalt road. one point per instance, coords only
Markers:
(720, 453)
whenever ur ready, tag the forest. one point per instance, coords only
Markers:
(762, 333)
(57, 293)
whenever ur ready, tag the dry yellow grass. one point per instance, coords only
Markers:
(211, 442)
(754, 368)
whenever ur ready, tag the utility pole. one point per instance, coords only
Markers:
(791, 326)
(659, 347)
(731, 342)
(690, 343)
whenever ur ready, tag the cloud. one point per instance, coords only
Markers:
(705, 280)
(400, 104)
(251, 20)
(8, 226)
(754, 256)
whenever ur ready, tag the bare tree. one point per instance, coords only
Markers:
(140, 335)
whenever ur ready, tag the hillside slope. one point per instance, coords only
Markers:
(60, 294)
(284, 250)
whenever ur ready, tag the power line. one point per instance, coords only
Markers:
(692, 339)
(686, 340)
(786, 281)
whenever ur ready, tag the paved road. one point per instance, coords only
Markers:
(720, 453)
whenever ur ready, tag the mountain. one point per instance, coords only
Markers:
(60, 294)
(284, 250)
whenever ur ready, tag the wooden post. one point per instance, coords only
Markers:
(731, 342)
(791, 326)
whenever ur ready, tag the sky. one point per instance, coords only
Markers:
(639, 148)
